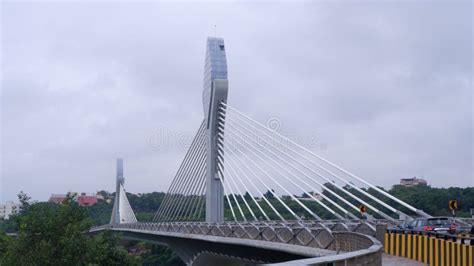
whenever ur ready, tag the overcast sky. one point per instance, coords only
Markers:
(381, 88)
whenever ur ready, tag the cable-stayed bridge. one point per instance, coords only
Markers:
(244, 193)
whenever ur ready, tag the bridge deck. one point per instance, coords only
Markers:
(252, 242)
(388, 260)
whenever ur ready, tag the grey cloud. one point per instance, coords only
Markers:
(386, 87)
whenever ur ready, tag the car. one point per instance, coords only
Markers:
(434, 224)
(441, 225)
(403, 224)
(416, 224)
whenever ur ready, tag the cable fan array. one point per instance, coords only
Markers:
(267, 176)
(185, 200)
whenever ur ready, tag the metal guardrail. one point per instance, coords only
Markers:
(311, 236)
(305, 233)
(357, 249)
(353, 242)
(431, 247)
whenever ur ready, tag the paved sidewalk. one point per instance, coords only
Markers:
(394, 260)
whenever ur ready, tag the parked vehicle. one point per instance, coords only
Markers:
(402, 225)
(441, 225)
(417, 224)
(434, 224)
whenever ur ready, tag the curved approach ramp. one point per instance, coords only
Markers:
(205, 244)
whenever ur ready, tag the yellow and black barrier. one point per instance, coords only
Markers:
(432, 249)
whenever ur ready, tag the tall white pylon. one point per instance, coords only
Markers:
(122, 211)
(214, 92)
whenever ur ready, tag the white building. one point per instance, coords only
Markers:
(8, 209)
(410, 182)
(314, 194)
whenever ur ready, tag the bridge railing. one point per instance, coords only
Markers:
(372, 228)
(306, 233)
(430, 247)
(353, 249)
(312, 236)
(350, 246)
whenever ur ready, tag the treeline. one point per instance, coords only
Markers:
(433, 201)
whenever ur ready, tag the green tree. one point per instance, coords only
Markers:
(247, 196)
(269, 194)
(56, 234)
(24, 200)
(4, 243)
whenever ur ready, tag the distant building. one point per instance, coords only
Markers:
(57, 198)
(8, 209)
(409, 182)
(86, 200)
(83, 199)
(314, 194)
